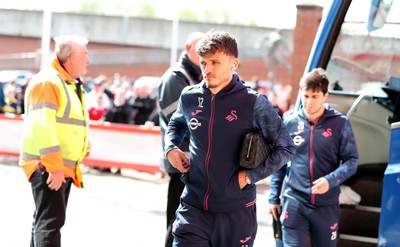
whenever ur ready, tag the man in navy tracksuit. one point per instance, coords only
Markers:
(218, 203)
(326, 155)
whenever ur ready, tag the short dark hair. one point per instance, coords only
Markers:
(217, 41)
(315, 80)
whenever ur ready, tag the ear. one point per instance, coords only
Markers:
(235, 64)
(325, 96)
(72, 57)
(187, 47)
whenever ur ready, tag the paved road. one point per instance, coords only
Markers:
(115, 210)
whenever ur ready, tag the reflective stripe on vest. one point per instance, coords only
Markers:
(35, 157)
(63, 130)
(65, 118)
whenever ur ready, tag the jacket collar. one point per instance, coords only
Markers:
(55, 63)
(193, 70)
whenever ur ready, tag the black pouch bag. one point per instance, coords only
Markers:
(255, 150)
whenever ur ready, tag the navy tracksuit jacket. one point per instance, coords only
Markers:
(324, 149)
(217, 125)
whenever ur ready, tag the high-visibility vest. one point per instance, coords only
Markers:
(55, 124)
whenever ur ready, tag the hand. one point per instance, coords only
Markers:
(88, 149)
(320, 186)
(275, 210)
(55, 180)
(178, 159)
(242, 179)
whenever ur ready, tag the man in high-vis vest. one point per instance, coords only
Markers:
(55, 138)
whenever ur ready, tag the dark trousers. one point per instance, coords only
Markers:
(299, 221)
(175, 189)
(50, 209)
(197, 228)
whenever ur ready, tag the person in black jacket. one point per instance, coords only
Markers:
(185, 72)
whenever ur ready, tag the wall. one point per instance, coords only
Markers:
(308, 20)
(20, 32)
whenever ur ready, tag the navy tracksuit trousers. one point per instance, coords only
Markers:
(198, 228)
(300, 220)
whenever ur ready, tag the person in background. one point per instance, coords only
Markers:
(121, 111)
(87, 82)
(19, 96)
(273, 98)
(55, 137)
(143, 103)
(326, 156)
(218, 203)
(256, 86)
(99, 89)
(97, 112)
(116, 81)
(2, 99)
(183, 73)
(11, 106)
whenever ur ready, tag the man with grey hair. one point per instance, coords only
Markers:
(55, 138)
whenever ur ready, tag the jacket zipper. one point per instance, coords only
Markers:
(312, 162)
(312, 125)
(205, 201)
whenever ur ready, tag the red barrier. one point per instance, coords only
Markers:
(112, 145)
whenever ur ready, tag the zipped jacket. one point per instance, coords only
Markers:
(55, 124)
(217, 125)
(326, 148)
(175, 79)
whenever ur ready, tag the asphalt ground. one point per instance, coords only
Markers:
(118, 210)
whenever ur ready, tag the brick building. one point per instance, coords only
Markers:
(23, 51)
